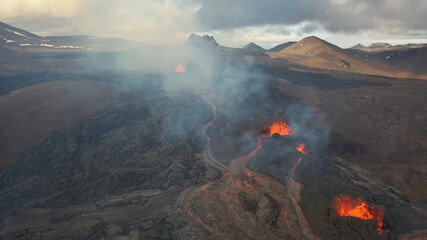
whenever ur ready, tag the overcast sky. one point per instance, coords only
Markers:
(232, 22)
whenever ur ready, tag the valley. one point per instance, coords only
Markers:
(302, 141)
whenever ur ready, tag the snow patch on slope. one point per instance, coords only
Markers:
(15, 32)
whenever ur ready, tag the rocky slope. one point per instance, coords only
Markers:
(122, 173)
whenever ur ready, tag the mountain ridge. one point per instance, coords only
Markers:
(18, 39)
(382, 47)
(310, 51)
(281, 46)
(317, 53)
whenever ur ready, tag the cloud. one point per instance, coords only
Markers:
(36, 8)
(234, 23)
(160, 21)
(333, 15)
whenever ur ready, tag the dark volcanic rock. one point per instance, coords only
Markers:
(251, 205)
(323, 179)
(121, 173)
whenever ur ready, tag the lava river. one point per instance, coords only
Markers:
(244, 204)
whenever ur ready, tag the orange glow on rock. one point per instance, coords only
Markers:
(347, 206)
(180, 68)
(280, 127)
(301, 148)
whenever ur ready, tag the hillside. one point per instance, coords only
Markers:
(317, 53)
(411, 60)
(314, 52)
(280, 47)
(34, 112)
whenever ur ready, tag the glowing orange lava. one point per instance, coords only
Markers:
(347, 206)
(180, 68)
(220, 208)
(301, 148)
(279, 127)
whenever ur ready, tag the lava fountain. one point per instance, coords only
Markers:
(180, 68)
(280, 127)
(301, 148)
(356, 207)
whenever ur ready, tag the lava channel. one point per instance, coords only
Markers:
(244, 204)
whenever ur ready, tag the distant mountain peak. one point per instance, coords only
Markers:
(310, 46)
(253, 47)
(205, 40)
(312, 39)
(380, 45)
(206, 37)
(358, 46)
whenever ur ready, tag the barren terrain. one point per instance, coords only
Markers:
(380, 128)
(234, 145)
(32, 113)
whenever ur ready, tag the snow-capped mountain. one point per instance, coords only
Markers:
(18, 39)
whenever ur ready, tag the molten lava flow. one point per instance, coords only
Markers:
(280, 127)
(301, 148)
(243, 203)
(419, 210)
(180, 68)
(347, 206)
